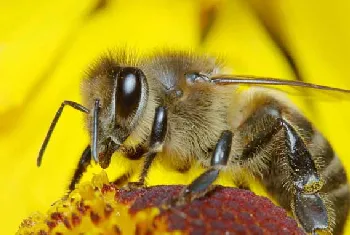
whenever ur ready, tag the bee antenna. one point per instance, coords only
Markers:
(53, 125)
(95, 130)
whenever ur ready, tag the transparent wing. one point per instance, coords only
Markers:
(291, 87)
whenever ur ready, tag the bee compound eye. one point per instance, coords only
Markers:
(128, 93)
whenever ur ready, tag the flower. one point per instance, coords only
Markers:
(103, 208)
(46, 46)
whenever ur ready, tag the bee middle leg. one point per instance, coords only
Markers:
(266, 123)
(203, 183)
(157, 138)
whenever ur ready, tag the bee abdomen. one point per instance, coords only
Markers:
(296, 164)
(336, 187)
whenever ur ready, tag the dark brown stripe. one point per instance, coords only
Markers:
(334, 175)
(260, 140)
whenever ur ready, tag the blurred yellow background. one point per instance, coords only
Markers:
(45, 47)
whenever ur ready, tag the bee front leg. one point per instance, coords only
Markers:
(157, 138)
(266, 125)
(84, 162)
(203, 183)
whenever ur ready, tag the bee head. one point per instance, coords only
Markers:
(122, 94)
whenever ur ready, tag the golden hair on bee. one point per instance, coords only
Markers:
(178, 106)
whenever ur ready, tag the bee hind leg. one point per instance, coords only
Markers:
(301, 174)
(203, 183)
(308, 205)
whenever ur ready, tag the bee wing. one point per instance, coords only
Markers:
(291, 87)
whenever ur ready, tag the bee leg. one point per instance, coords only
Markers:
(84, 162)
(307, 205)
(203, 183)
(159, 130)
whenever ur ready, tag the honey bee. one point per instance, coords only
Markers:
(179, 104)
